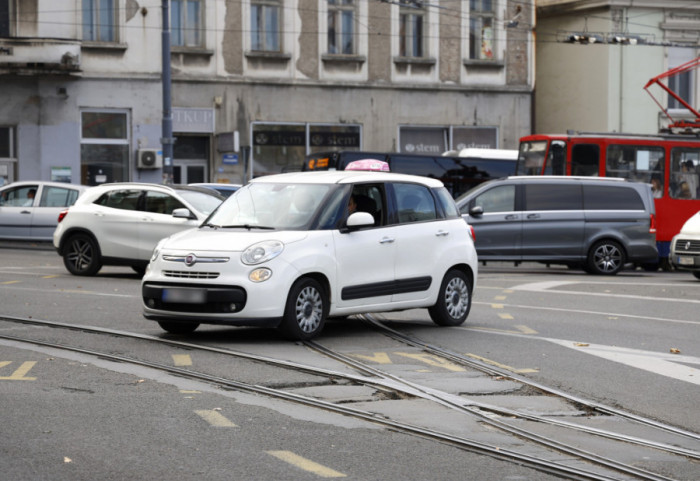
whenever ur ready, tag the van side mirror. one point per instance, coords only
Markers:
(476, 211)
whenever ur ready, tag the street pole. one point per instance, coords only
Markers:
(167, 138)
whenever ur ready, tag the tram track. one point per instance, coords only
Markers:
(378, 379)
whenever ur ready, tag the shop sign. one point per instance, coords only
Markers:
(193, 120)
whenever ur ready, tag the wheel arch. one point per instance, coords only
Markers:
(77, 230)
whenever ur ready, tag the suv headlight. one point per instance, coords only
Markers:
(261, 252)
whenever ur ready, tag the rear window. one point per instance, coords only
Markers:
(553, 197)
(611, 197)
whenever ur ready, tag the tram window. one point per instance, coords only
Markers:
(584, 159)
(639, 163)
(556, 158)
(685, 167)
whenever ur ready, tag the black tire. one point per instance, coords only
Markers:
(606, 257)
(697, 274)
(306, 310)
(454, 300)
(175, 327)
(81, 255)
(140, 270)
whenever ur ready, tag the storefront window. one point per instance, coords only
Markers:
(104, 148)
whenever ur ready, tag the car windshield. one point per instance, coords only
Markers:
(271, 205)
(204, 203)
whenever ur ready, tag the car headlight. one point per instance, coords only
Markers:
(156, 250)
(261, 252)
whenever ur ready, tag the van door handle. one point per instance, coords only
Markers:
(512, 217)
(533, 216)
(386, 240)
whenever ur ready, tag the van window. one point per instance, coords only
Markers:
(584, 159)
(498, 199)
(553, 197)
(611, 197)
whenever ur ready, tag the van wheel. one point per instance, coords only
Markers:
(606, 257)
(305, 312)
(454, 300)
(81, 255)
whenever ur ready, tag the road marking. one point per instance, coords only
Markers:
(500, 298)
(502, 366)
(182, 359)
(497, 306)
(664, 364)
(10, 282)
(20, 372)
(52, 276)
(378, 357)
(306, 464)
(520, 329)
(505, 316)
(432, 360)
(215, 419)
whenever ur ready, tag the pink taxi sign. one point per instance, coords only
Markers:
(373, 165)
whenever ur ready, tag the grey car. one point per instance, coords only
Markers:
(598, 224)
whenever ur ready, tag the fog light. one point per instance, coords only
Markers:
(260, 275)
(151, 303)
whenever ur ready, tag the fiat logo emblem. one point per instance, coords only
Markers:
(190, 260)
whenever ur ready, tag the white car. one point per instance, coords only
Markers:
(29, 209)
(287, 251)
(121, 223)
(685, 247)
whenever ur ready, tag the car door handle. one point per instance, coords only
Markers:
(512, 217)
(533, 216)
(386, 240)
(98, 214)
(442, 233)
(25, 212)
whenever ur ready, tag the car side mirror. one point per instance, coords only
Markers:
(476, 211)
(358, 220)
(183, 213)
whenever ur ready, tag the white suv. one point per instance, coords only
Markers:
(685, 247)
(120, 224)
(290, 250)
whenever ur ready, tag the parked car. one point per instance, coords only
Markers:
(121, 223)
(599, 224)
(685, 247)
(224, 189)
(287, 250)
(29, 209)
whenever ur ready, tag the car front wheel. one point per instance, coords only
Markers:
(81, 256)
(454, 300)
(306, 310)
(606, 257)
(697, 274)
(174, 327)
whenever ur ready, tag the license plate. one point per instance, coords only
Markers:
(184, 295)
(686, 261)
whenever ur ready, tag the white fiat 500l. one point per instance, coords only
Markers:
(685, 247)
(291, 250)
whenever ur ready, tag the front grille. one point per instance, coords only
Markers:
(687, 246)
(191, 274)
(217, 299)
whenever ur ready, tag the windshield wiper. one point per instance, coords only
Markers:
(207, 224)
(248, 226)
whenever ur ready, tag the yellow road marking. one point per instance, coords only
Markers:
(10, 282)
(500, 298)
(432, 360)
(182, 359)
(497, 306)
(505, 316)
(51, 276)
(306, 464)
(378, 357)
(503, 366)
(215, 419)
(519, 329)
(19, 374)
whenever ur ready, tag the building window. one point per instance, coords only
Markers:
(4, 18)
(481, 33)
(104, 147)
(681, 84)
(265, 26)
(412, 34)
(186, 23)
(341, 27)
(99, 20)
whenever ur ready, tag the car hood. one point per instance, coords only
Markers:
(692, 225)
(207, 239)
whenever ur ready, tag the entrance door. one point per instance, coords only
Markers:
(189, 171)
(191, 159)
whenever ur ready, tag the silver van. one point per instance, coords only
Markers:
(598, 224)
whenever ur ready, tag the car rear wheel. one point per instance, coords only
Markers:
(81, 256)
(306, 310)
(454, 300)
(174, 327)
(606, 257)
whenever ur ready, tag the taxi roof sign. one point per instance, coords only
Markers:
(372, 165)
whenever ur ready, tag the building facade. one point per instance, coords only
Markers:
(594, 58)
(81, 92)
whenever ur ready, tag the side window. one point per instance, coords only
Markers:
(369, 198)
(161, 203)
(685, 167)
(556, 158)
(612, 197)
(265, 25)
(120, 199)
(584, 159)
(58, 197)
(19, 196)
(414, 202)
(446, 202)
(498, 199)
(553, 197)
(639, 163)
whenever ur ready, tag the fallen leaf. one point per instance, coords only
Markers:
(581, 344)
(675, 351)
(66, 459)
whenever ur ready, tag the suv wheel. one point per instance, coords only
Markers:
(454, 300)
(606, 257)
(306, 310)
(81, 255)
